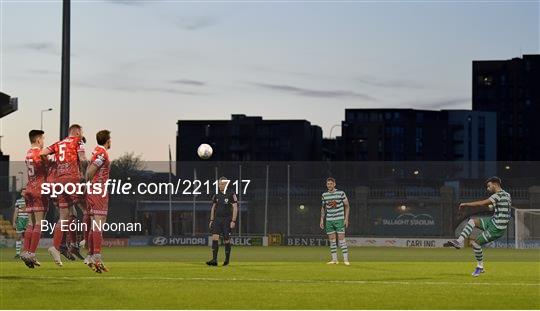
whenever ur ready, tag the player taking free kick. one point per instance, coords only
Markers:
(492, 227)
(335, 209)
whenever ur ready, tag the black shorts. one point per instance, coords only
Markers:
(222, 226)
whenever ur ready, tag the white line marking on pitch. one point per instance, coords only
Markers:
(281, 280)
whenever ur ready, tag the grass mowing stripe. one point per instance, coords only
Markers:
(279, 280)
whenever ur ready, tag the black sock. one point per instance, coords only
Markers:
(227, 251)
(215, 248)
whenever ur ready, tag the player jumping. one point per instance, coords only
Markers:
(71, 245)
(492, 227)
(20, 221)
(335, 208)
(36, 203)
(98, 204)
(70, 158)
(222, 220)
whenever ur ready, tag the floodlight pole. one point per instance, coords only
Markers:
(239, 201)
(42, 111)
(170, 193)
(64, 96)
(194, 203)
(288, 200)
(266, 202)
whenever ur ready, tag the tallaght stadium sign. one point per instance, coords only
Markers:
(409, 220)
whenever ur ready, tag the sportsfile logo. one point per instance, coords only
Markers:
(120, 187)
(55, 189)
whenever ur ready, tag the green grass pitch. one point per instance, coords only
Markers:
(276, 278)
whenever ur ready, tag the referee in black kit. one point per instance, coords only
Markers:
(222, 220)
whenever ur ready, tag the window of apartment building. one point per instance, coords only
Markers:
(375, 117)
(503, 80)
(235, 130)
(263, 131)
(481, 130)
(419, 146)
(485, 80)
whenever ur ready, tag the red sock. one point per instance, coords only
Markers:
(90, 242)
(98, 238)
(58, 235)
(88, 222)
(28, 237)
(36, 236)
(71, 236)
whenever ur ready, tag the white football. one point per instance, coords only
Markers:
(204, 151)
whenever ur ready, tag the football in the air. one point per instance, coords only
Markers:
(204, 151)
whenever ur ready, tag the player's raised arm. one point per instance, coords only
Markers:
(94, 167)
(97, 161)
(235, 211)
(493, 186)
(81, 154)
(47, 150)
(481, 203)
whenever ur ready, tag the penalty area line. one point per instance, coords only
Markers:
(260, 280)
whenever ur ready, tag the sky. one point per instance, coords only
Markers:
(139, 67)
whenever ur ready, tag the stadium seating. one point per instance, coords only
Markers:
(6, 229)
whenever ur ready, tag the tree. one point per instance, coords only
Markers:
(128, 165)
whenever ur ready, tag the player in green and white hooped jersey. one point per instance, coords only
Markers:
(20, 221)
(492, 227)
(335, 209)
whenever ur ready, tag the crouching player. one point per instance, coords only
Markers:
(98, 173)
(492, 227)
